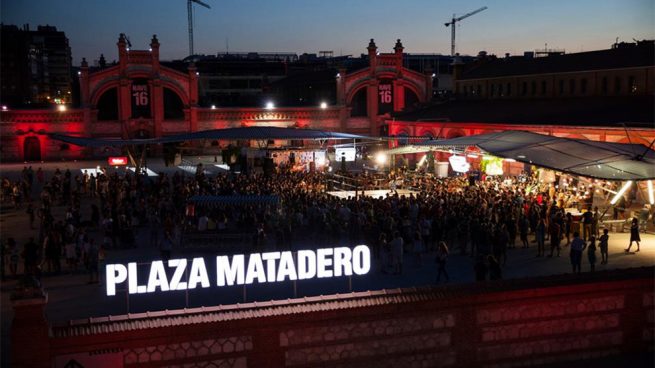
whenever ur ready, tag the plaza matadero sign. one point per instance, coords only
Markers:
(269, 267)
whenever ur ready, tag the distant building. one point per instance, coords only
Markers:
(36, 66)
(624, 70)
(440, 65)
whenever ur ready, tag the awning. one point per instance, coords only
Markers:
(248, 133)
(593, 159)
(214, 201)
(410, 149)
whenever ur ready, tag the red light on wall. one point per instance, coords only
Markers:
(117, 161)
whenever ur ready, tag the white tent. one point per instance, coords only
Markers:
(593, 159)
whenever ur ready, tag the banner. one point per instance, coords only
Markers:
(140, 96)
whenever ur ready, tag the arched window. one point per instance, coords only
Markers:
(173, 106)
(108, 105)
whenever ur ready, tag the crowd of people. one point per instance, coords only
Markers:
(482, 219)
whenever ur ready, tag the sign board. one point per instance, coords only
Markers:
(385, 96)
(459, 164)
(269, 267)
(348, 152)
(140, 97)
(117, 161)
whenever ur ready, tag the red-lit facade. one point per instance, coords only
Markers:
(140, 88)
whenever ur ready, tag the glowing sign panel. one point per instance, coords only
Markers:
(459, 164)
(180, 274)
(117, 161)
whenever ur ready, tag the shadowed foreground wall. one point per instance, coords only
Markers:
(512, 323)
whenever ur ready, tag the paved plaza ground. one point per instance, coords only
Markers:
(71, 297)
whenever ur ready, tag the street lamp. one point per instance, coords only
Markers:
(324, 105)
(270, 105)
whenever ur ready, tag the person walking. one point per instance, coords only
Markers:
(442, 257)
(591, 253)
(577, 247)
(603, 244)
(634, 234)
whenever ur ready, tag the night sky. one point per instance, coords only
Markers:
(343, 26)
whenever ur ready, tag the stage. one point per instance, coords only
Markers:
(372, 193)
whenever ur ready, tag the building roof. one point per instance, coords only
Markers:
(584, 111)
(624, 56)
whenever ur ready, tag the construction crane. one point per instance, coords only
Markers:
(453, 23)
(189, 7)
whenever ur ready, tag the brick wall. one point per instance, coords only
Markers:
(527, 322)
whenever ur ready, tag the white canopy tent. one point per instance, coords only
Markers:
(593, 159)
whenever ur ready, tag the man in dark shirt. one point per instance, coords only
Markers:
(587, 221)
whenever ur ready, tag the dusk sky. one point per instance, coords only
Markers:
(343, 26)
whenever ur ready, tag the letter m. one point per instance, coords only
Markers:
(229, 274)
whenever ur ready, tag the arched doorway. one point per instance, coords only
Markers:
(32, 149)
(173, 106)
(359, 103)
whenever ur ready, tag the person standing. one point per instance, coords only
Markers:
(442, 257)
(524, 227)
(540, 234)
(568, 227)
(591, 253)
(577, 247)
(555, 234)
(604, 240)
(587, 222)
(634, 234)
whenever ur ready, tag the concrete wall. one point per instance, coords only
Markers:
(527, 322)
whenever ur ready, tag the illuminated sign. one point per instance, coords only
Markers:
(269, 267)
(117, 161)
(459, 164)
(492, 165)
(385, 96)
(348, 152)
(140, 99)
